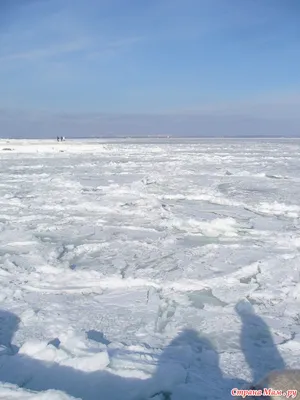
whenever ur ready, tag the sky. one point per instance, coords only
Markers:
(139, 67)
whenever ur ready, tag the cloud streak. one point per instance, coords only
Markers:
(51, 51)
(44, 33)
(63, 49)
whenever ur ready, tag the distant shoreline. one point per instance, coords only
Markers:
(170, 138)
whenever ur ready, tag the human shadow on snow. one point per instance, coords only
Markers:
(188, 368)
(257, 344)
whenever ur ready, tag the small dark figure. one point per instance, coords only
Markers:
(57, 138)
(61, 138)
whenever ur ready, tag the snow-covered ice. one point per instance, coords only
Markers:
(147, 269)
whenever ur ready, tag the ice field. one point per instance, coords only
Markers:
(147, 269)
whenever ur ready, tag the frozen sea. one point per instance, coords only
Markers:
(147, 269)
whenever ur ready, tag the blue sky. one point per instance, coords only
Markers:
(126, 66)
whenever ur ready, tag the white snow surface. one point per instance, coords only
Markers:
(147, 269)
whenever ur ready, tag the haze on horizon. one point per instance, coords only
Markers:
(166, 67)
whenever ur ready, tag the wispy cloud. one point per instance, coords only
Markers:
(44, 34)
(114, 47)
(53, 50)
(90, 47)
